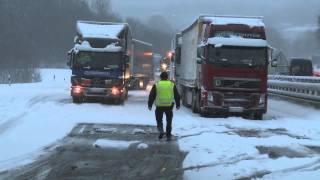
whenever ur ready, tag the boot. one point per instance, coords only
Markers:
(161, 135)
(169, 137)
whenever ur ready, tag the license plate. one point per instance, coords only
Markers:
(236, 109)
(95, 90)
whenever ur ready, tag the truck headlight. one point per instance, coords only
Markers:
(77, 89)
(141, 84)
(115, 91)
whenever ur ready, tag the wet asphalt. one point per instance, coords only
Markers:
(77, 157)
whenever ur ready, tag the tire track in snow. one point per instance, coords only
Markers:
(10, 123)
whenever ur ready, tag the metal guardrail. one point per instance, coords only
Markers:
(303, 88)
(305, 79)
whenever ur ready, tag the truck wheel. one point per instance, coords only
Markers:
(203, 113)
(77, 100)
(126, 95)
(198, 99)
(118, 101)
(184, 98)
(258, 116)
(194, 102)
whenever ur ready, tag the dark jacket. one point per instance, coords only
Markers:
(153, 95)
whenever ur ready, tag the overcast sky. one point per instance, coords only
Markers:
(182, 12)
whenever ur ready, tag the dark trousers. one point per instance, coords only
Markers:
(169, 115)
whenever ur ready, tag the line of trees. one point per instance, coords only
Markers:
(319, 31)
(40, 32)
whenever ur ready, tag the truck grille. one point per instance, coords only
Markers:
(226, 83)
(233, 99)
(100, 83)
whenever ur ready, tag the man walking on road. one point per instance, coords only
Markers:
(164, 92)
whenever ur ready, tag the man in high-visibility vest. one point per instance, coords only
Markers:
(164, 93)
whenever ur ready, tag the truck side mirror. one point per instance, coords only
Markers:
(199, 52)
(126, 58)
(69, 59)
(199, 61)
(274, 63)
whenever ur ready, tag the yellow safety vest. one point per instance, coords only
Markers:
(165, 94)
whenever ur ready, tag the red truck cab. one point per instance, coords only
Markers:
(233, 63)
(222, 65)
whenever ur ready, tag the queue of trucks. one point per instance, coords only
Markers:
(220, 64)
(142, 64)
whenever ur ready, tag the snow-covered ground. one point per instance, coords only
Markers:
(283, 146)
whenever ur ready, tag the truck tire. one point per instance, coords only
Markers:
(258, 116)
(203, 113)
(126, 95)
(77, 100)
(184, 98)
(118, 101)
(194, 102)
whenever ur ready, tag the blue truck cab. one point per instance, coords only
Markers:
(100, 62)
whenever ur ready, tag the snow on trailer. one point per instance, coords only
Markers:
(99, 36)
(236, 38)
(89, 29)
(85, 46)
(237, 41)
(252, 21)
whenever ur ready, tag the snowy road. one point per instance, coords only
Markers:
(285, 145)
(106, 151)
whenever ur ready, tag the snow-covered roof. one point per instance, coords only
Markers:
(85, 46)
(237, 41)
(224, 20)
(88, 29)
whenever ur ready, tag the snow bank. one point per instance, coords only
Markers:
(237, 41)
(142, 146)
(106, 143)
(99, 30)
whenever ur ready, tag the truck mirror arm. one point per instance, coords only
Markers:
(274, 63)
(199, 60)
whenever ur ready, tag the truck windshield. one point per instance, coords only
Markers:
(94, 60)
(238, 57)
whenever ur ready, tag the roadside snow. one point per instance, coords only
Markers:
(142, 146)
(35, 116)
